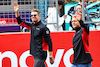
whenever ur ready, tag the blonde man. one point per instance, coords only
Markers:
(39, 34)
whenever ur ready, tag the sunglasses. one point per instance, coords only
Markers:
(33, 15)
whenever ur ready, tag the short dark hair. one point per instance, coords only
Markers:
(80, 0)
(60, 2)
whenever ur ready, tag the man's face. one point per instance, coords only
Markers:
(85, 3)
(35, 17)
(59, 7)
(78, 7)
(75, 23)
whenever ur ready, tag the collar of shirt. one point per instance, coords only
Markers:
(37, 23)
(78, 29)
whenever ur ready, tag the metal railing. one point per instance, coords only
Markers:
(7, 13)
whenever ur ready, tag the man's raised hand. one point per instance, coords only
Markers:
(16, 7)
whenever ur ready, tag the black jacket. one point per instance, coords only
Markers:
(81, 45)
(40, 37)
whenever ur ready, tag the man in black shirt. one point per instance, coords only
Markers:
(40, 37)
(82, 57)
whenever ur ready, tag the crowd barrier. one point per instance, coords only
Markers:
(14, 49)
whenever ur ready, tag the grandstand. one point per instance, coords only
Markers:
(7, 15)
(8, 21)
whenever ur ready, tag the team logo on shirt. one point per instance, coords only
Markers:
(37, 28)
(47, 32)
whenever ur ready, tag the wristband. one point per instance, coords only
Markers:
(50, 57)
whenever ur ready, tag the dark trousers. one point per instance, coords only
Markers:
(82, 65)
(39, 62)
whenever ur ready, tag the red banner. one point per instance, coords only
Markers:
(3, 21)
(13, 21)
(14, 49)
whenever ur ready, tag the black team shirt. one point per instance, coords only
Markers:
(81, 45)
(40, 38)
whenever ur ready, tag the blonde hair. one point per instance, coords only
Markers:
(36, 10)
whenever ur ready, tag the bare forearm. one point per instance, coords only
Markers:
(17, 14)
(50, 57)
(50, 53)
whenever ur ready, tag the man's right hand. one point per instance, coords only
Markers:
(16, 7)
(51, 60)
